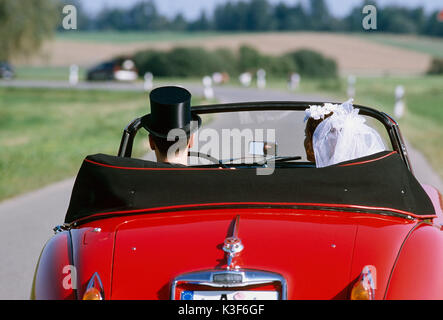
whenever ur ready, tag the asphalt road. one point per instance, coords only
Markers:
(26, 221)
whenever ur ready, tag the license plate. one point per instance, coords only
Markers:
(229, 295)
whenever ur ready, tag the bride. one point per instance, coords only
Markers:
(336, 133)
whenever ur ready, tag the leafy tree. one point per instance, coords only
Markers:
(290, 18)
(320, 17)
(179, 23)
(398, 20)
(433, 26)
(24, 25)
(202, 23)
(142, 16)
(231, 16)
(259, 16)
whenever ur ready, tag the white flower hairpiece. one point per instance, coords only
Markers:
(317, 112)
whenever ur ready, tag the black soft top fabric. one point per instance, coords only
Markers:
(108, 184)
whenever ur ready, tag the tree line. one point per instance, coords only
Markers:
(261, 15)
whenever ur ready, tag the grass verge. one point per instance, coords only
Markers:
(422, 123)
(429, 45)
(45, 134)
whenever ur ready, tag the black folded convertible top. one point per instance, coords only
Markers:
(107, 184)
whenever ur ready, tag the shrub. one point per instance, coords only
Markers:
(280, 66)
(180, 62)
(249, 59)
(153, 61)
(436, 66)
(196, 62)
(313, 64)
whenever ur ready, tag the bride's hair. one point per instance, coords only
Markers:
(311, 125)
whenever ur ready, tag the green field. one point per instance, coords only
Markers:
(134, 36)
(45, 134)
(422, 123)
(46, 73)
(428, 45)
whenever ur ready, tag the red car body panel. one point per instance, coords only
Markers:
(320, 253)
(53, 278)
(93, 252)
(418, 271)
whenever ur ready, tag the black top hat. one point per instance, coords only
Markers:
(170, 109)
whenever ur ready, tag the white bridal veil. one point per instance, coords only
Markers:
(343, 136)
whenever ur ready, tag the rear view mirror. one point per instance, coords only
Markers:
(262, 148)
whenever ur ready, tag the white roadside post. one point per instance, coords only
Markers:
(73, 75)
(217, 78)
(399, 108)
(351, 86)
(294, 81)
(149, 81)
(245, 79)
(261, 79)
(208, 91)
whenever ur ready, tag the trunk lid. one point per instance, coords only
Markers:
(312, 250)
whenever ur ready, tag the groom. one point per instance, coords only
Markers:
(171, 124)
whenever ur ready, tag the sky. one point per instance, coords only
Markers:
(192, 8)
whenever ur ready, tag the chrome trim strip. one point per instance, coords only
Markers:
(249, 278)
(236, 226)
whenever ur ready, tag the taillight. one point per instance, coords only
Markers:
(364, 288)
(94, 289)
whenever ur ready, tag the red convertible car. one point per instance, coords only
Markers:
(221, 230)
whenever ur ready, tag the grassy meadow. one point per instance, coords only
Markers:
(45, 73)
(422, 122)
(135, 36)
(45, 134)
(429, 45)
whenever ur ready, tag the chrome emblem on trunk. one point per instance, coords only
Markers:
(233, 246)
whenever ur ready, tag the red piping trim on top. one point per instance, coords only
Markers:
(152, 169)
(200, 169)
(259, 203)
(367, 161)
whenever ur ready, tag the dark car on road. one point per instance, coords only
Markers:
(118, 69)
(6, 70)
